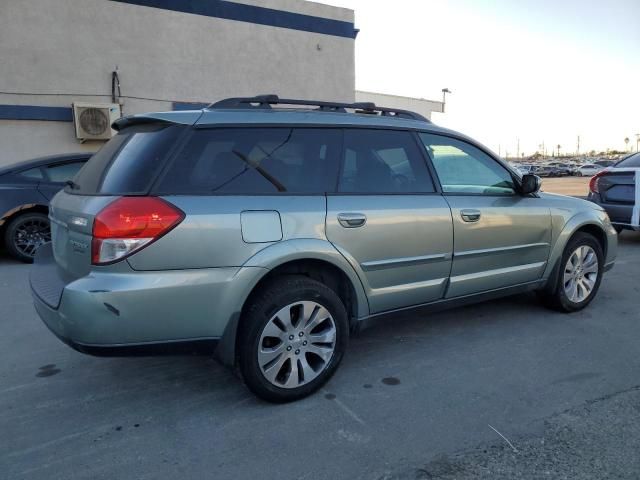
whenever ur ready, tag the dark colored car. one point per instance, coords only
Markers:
(605, 163)
(617, 190)
(25, 191)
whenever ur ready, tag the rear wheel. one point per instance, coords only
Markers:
(579, 277)
(25, 234)
(293, 337)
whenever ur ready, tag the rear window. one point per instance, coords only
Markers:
(128, 163)
(630, 162)
(255, 161)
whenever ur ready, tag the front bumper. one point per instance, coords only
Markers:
(129, 312)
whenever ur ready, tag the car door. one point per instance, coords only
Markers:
(56, 175)
(501, 238)
(389, 221)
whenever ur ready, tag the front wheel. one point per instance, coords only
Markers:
(292, 338)
(25, 234)
(578, 280)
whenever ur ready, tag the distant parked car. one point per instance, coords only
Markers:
(617, 190)
(525, 169)
(25, 191)
(589, 169)
(605, 163)
(543, 170)
(573, 168)
(561, 169)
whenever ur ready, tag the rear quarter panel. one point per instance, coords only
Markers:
(211, 234)
(16, 195)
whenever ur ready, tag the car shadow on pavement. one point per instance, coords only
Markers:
(5, 259)
(202, 380)
(628, 237)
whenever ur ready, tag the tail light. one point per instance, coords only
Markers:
(593, 183)
(128, 225)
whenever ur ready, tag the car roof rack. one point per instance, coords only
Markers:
(265, 102)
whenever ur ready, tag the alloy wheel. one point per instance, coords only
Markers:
(31, 234)
(297, 344)
(581, 273)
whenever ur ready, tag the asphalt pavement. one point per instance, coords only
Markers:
(504, 389)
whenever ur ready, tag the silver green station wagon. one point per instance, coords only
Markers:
(266, 230)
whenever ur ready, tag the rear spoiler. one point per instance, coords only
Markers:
(125, 122)
(168, 118)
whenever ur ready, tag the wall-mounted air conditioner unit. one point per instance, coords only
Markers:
(93, 120)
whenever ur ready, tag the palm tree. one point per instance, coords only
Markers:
(559, 147)
(626, 143)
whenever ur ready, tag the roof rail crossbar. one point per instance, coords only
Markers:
(266, 102)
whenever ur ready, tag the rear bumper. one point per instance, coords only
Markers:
(136, 313)
(621, 215)
(50, 317)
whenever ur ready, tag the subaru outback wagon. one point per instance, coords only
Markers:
(266, 230)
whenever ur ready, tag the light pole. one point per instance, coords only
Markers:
(637, 140)
(444, 97)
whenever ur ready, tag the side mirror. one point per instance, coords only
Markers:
(530, 184)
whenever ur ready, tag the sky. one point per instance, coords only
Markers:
(535, 70)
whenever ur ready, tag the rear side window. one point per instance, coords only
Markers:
(383, 161)
(35, 173)
(630, 162)
(255, 161)
(64, 172)
(128, 162)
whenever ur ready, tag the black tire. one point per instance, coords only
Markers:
(26, 224)
(554, 295)
(278, 294)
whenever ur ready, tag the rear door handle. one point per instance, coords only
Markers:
(469, 215)
(352, 220)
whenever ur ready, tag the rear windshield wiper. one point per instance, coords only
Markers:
(270, 178)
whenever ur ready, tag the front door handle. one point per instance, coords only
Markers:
(352, 220)
(470, 215)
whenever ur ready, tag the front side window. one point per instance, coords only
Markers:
(383, 161)
(465, 169)
(64, 172)
(255, 161)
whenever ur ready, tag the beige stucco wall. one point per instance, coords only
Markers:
(65, 51)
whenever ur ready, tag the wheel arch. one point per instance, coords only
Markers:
(316, 259)
(586, 223)
(8, 216)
